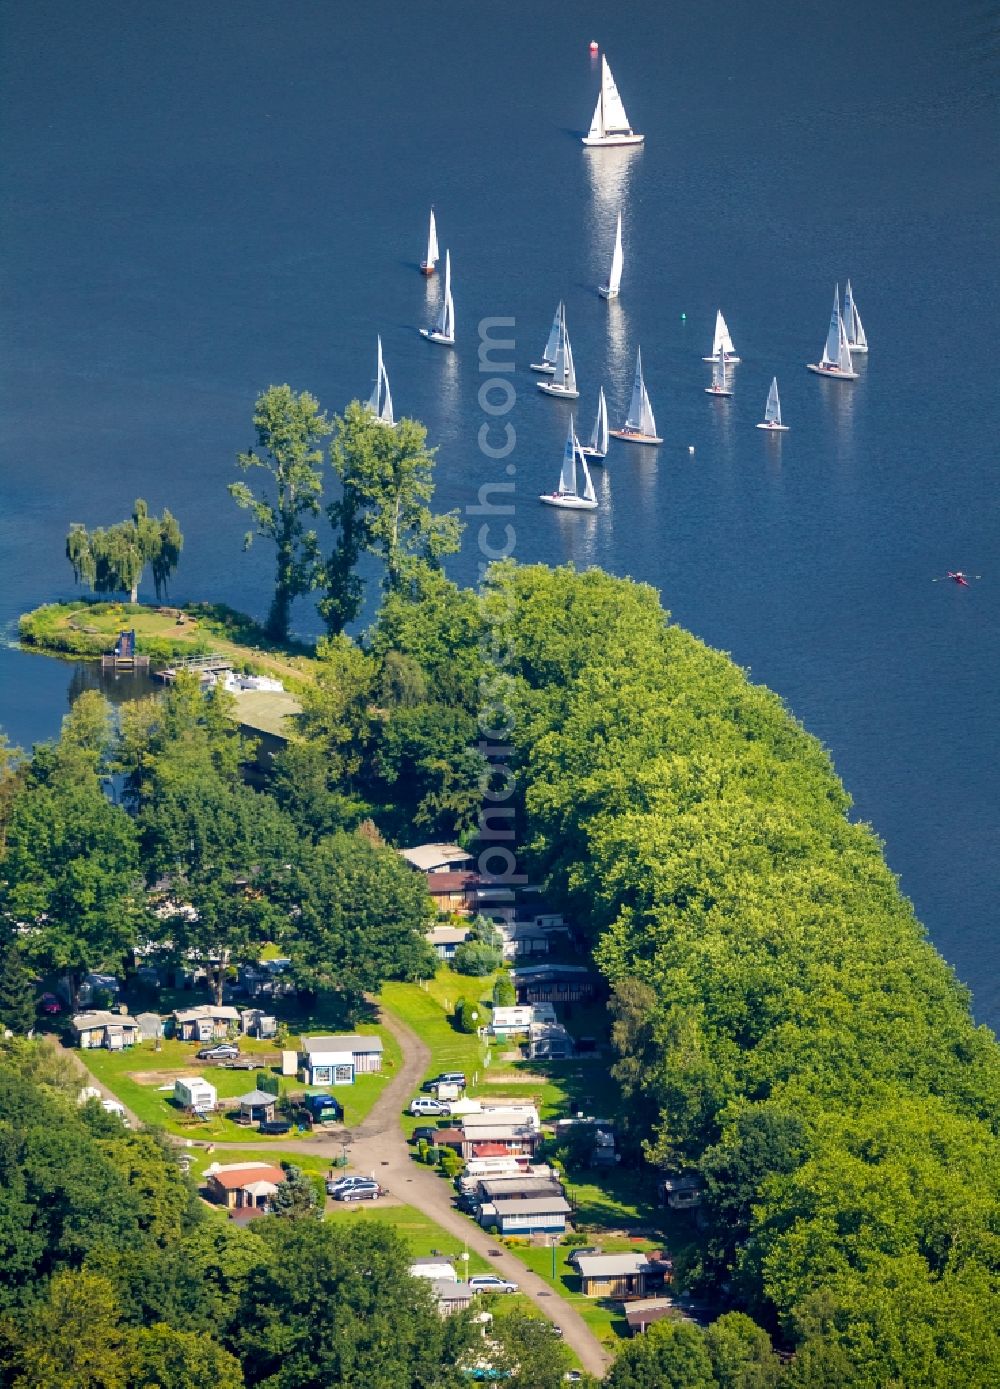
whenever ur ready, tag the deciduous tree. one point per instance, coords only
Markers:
(290, 432)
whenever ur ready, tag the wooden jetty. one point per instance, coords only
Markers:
(205, 667)
(124, 656)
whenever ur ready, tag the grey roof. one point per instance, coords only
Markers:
(607, 1265)
(447, 1291)
(350, 1041)
(84, 1022)
(684, 1183)
(526, 973)
(427, 857)
(545, 1205)
(496, 1188)
(449, 935)
(257, 1098)
(207, 1010)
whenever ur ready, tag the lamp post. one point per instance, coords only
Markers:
(464, 1256)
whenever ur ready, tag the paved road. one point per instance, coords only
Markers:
(377, 1146)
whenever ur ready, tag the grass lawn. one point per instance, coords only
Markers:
(131, 1076)
(421, 1233)
(427, 1008)
(88, 628)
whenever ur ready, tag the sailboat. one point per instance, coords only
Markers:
(610, 290)
(722, 342)
(610, 124)
(548, 363)
(639, 426)
(563, 381)
(836, 359)
(720, 377)
(566, 494)
(444, 333)
(772, 411)
(598, 446)
(431, 259)
(856, 339)
(380, 403)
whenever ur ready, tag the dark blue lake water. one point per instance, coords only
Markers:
(199, 200)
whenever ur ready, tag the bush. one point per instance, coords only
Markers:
(476, 958)
(468, 1015)
(503, 992)
(422, 1147)
(449, 1162)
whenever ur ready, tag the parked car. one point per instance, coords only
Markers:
(427, 1132)
(48, 1003)
(572, 1257)
(446, 1078)
(335, 1184)
(360, 1191)
(490, 1283)
(424, 1105)
(221, 1051)
(275, 1126)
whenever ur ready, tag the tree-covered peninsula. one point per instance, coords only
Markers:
(783, 1031)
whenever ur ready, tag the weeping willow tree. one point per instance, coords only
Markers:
(113, 560)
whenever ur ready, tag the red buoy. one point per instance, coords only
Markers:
(593, 45)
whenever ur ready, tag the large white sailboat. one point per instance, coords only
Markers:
(856, 339)
(380, 403)
(639, 426)
(433, 254)
(720, 377)
(614, 284)
(772, 411)
(563, 381)
(610, 124)
(836, 360)
(548, 363)
(722, 342)
(444, 333)
(597, 449)
(567, 494)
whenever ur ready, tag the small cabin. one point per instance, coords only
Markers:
(337, 1060)
(613, 1275)
(113, 1031)
(209, 1022)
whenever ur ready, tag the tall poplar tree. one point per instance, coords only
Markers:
(290, 432)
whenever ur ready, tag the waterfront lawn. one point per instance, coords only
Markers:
(89, 628)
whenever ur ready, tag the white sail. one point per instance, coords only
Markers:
(589, 495)
(599, 438)
(722, 341)
(613, 115)
(552, 346)
(565, 372)
(844, 351)
(831, 349)
(380, 403)
(772, 411)
(374, 398)
(567, 476)
(852, 322)
(597, 124)
(432, 243)
(617, 262)
(446, 323)
(640, 412)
